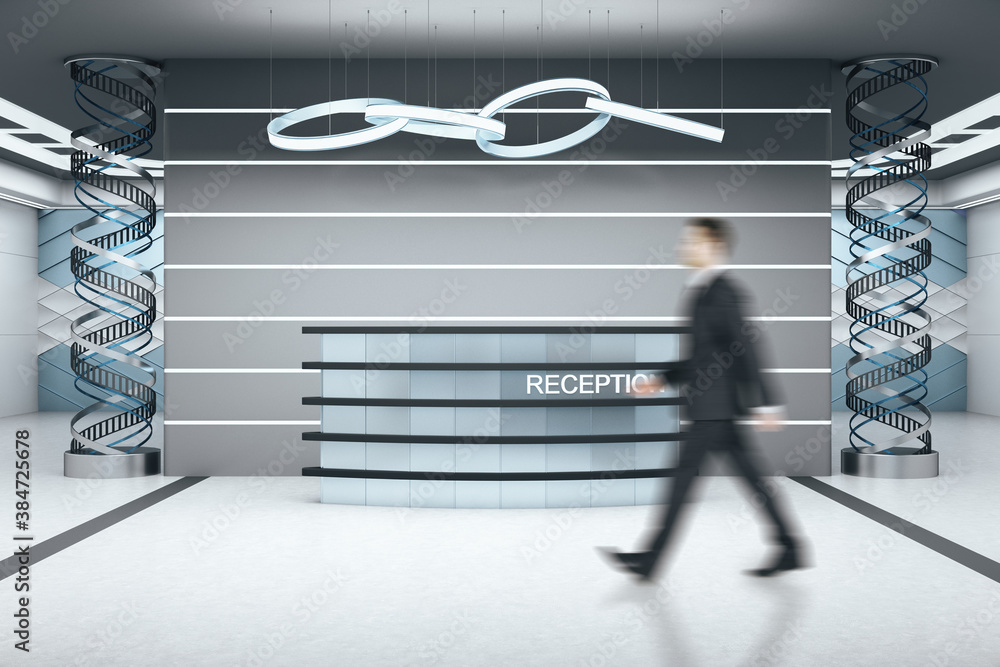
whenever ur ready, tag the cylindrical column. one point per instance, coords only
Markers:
(117, 93)
(886, 285)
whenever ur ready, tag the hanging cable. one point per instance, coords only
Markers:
(329, 62)
(428, 52)
(609, 50)
(270, 65)
(369, 50)
(658, 55)
(435, 65)
(503, 56)
(640, 66)
(541, 38)
(405, 61)
(346, 58)
(722, 64)
(541, 63)
(473, 59)
(590, 41)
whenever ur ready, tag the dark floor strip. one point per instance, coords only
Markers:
(54, 545)
(956, 552)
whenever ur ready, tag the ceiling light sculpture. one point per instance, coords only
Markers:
(886, 380)
(117, 93)
(536, 89)
(390, 116)
(383, 127)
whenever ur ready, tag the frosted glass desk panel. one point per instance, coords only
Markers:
(470, 424)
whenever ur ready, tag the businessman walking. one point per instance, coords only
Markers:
(720, 377)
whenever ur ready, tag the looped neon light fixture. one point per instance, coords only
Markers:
(663, 121)
(438, 122)
(536, 89)
(390, 116)
(381, 127)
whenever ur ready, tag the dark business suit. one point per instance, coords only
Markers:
(720, 378)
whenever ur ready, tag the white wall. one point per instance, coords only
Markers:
(983, 294)
(18, 309)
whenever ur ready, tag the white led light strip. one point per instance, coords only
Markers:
(42, 152)
(432, 318)
(489, 267)
(485, 214)
(550, 110)
(958, 123)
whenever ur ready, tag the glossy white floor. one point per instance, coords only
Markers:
(284, 580)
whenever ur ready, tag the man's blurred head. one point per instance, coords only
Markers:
(705, 242)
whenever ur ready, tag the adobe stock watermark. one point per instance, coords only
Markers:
(421, 318)
(978, 625)
(223, 7)
(115, 626)
(32, 24)
(120, 107)
(426, 146)
(582, 158)
(900, 15)
(785, 128)
(202, 197)
(802, 453)
(624, 288)
(750, 332)
(301, 612)
(227, 513)
(923, 501)
(250, 148)
(776, 653)
(975, 281)
(433, 651)
(380, 19)
(605, 654)
(560, 523)
(563, 11)
(702, 40)
(292, 280)
(421, 491)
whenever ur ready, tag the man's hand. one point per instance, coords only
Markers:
(770, 420)
(649, 386)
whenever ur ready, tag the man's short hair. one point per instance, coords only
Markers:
(718, 230)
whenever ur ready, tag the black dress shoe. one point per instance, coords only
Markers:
(633, 562)
(789, 559)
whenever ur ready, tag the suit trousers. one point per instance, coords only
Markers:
(721, 436)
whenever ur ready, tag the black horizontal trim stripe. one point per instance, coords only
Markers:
(956, 552)
(492, 402)
(483, 366)
(586, 328)
(492, 439)
(642, 473)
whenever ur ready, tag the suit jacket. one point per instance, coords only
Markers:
(720, 378)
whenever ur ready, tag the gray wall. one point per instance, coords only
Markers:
(18, 316)
(226, 203)
(983, 294)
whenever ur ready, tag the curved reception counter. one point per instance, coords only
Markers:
(501, 417)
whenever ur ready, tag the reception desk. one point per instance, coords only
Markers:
(502, 417)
